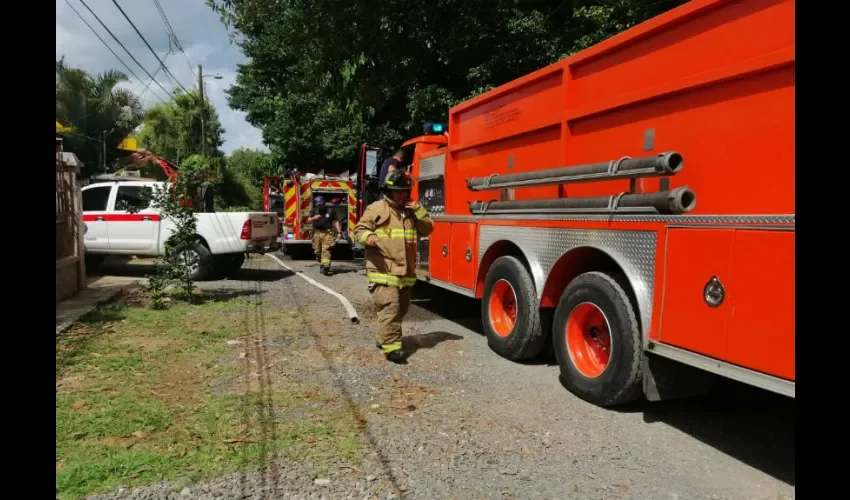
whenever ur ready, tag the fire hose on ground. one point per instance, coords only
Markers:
(349, 309)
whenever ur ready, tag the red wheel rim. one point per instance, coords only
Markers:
(588, 336)
(503, 308)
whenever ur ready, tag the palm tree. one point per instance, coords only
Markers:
(97, 109)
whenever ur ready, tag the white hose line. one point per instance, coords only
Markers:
(352, 313)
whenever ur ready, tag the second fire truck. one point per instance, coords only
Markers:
(292, 198)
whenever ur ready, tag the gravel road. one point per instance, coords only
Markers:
(459, 422)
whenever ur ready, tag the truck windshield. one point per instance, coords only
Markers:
(276, 203)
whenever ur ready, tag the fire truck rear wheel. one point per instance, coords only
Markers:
(510, 312)
(597, 340)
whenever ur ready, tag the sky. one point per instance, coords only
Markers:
(199, 31)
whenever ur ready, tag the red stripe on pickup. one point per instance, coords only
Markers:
(121, 218)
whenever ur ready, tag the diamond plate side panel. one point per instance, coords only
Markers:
(634, 251)
(434, 165)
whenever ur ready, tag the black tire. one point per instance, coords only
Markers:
(204, 267)
(621, 380)
(228, 264)
(528, 336)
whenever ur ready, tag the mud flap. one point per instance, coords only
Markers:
(667, 379)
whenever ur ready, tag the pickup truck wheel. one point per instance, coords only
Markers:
(597, 340)
(229, 263)
(510, 312)
(196, 259)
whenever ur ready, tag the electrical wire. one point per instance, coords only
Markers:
(125, 48)
(110, 50)
(173, 35)
(167, 71)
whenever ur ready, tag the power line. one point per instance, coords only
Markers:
(148, 86)
(125, 48)
(110, 50)
(173, 35)
(167, 71)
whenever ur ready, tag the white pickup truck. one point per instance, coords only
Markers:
(223, 237)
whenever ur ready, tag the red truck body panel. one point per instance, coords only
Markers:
(714, 80)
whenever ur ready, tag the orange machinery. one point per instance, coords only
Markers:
(633, 204)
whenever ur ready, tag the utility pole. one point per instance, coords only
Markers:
(103, 145)
(203, 125)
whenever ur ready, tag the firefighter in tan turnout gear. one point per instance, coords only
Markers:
(390, 230)
(323, 238)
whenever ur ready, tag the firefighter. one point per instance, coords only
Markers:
(390, 229)
(323, 239)
(390, 165)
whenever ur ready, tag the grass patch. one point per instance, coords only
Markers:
(134, 402)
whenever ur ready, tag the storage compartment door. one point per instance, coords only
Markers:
(761, 323)
(438, 253)
(463, 254)
(693, 258)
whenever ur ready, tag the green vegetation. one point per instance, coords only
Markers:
(322, 77)
(98, 110)
(135, 398)
(173, 130)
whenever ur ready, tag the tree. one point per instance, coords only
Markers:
(253, 164)
(323, 77)
(249, 167)
(176, 202)
(97, 109)
(173, 130)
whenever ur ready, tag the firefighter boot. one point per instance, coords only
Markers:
(399, 356)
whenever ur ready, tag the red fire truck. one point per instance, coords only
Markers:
(291, 197)
(633, 204)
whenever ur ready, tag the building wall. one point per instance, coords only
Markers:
(70, 264)
(67, 277)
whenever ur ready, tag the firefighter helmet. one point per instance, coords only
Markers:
(319, 200)
(398, 180)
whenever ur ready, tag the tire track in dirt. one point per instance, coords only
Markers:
(261, 407)
(339, 382)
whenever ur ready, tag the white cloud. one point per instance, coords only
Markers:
(203, 37)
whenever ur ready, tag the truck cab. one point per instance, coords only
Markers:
(424, 161)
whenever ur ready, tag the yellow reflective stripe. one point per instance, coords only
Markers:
(420, 212)
(326, 261)
(365, 236)
(392, 346)
(390, 280)
(405, 234)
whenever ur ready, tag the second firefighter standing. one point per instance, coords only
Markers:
(390, 229)
(323, 236)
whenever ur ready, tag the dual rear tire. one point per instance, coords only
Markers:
(594, 331)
